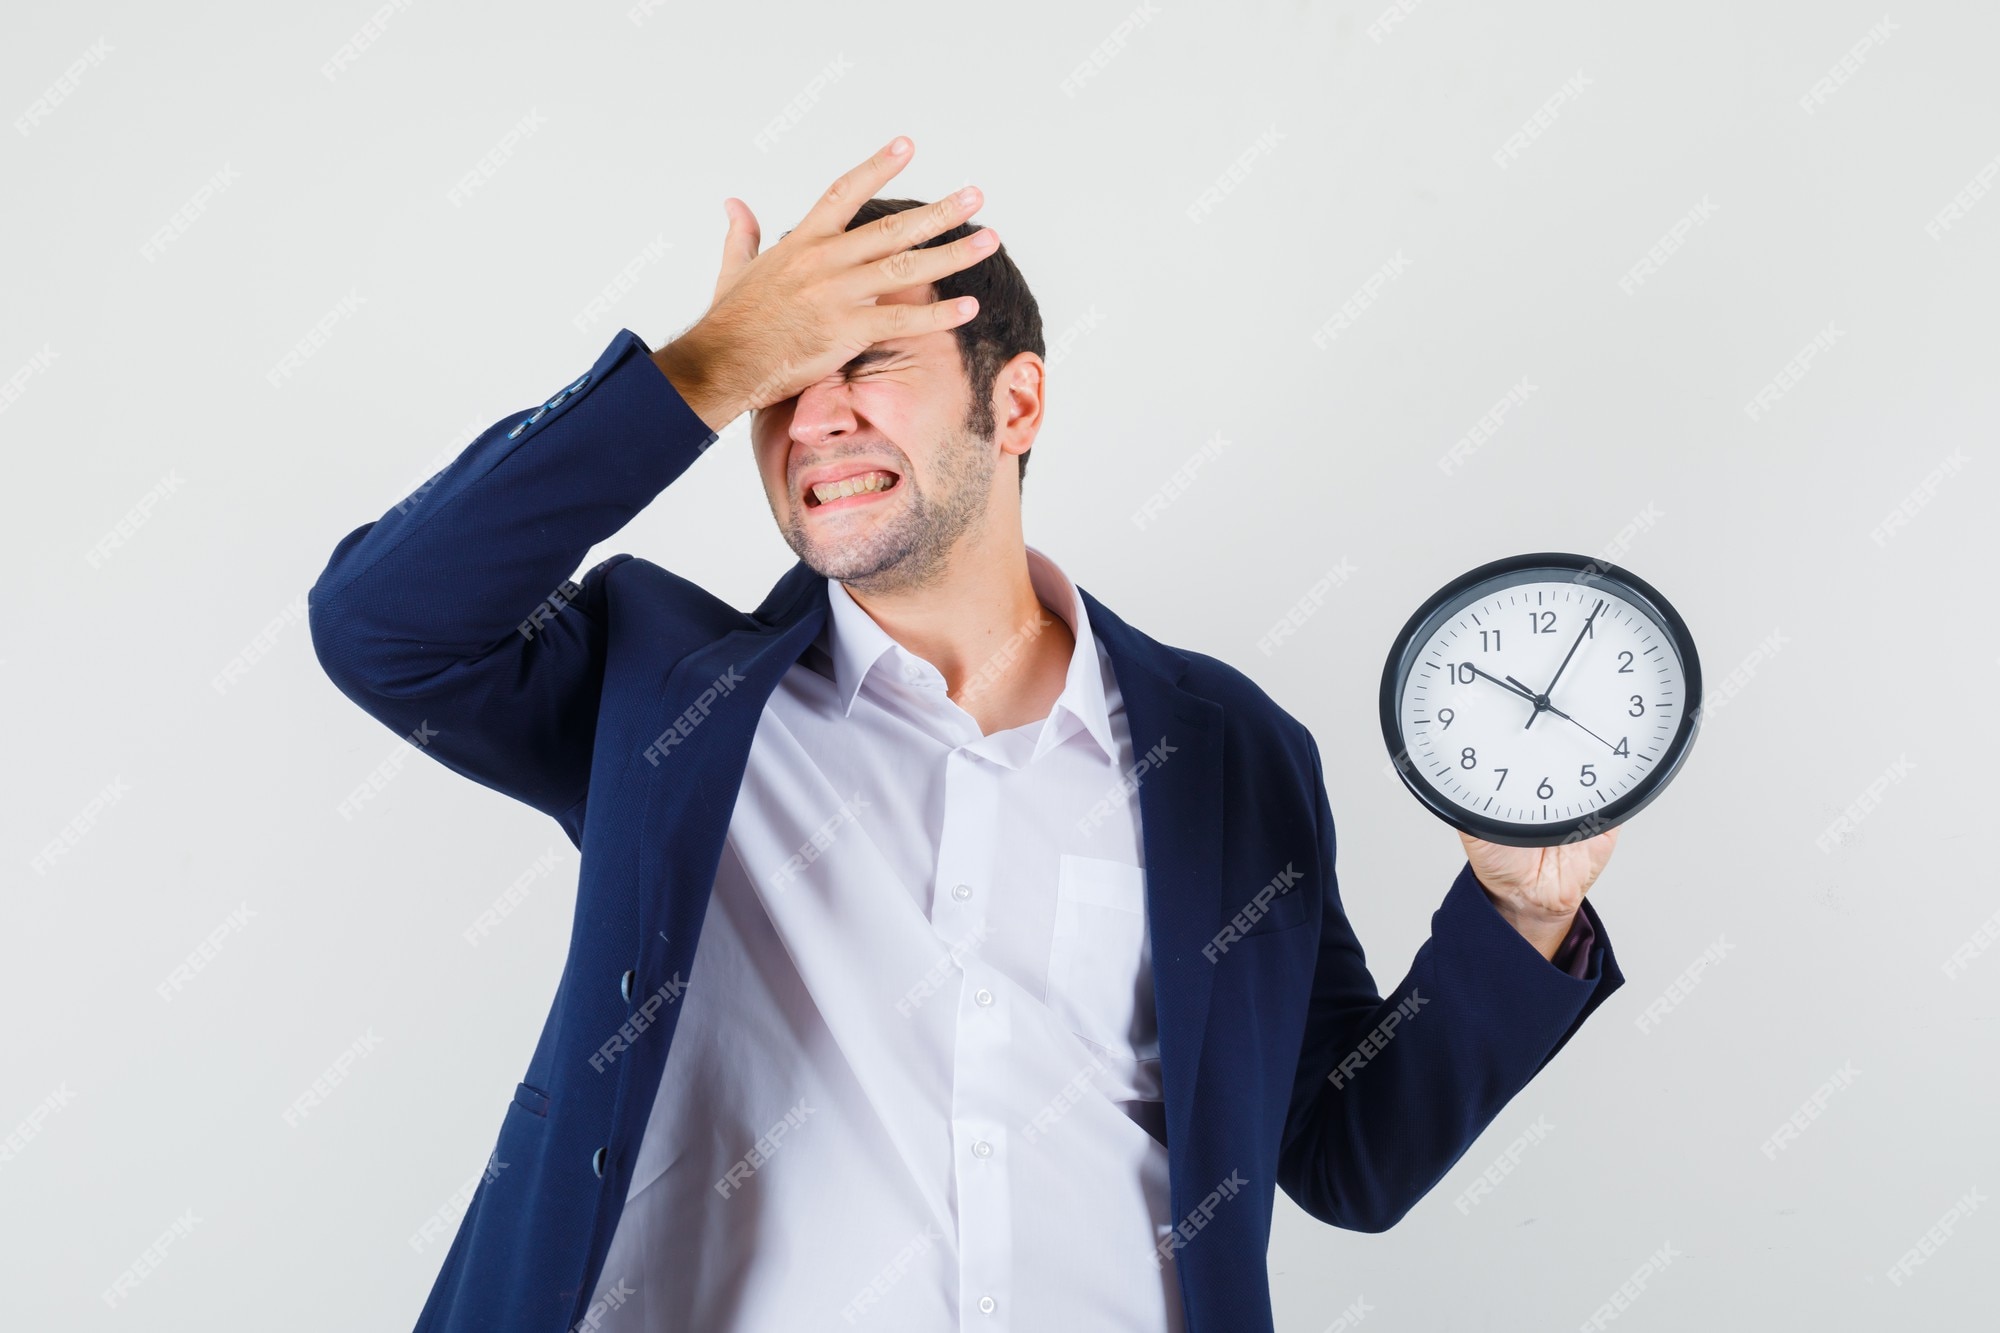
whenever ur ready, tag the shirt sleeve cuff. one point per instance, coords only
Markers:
(1573, 954)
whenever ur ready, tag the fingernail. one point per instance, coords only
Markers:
(967, 195)
(898, 146)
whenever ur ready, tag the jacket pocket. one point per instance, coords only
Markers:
(532, 1100)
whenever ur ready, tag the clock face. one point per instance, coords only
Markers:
(1541, 699)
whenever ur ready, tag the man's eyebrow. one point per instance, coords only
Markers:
(869, 356)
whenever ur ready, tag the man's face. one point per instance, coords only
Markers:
(895, 418)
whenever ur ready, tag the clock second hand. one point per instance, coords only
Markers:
(1567, 718)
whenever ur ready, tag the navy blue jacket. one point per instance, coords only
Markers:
(623, 708)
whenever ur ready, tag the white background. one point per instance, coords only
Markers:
(149, 375)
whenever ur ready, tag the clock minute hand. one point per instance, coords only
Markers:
(1542, 699)
(1574, 646)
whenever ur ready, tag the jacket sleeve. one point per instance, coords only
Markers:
(1391, 1091)
(452, 618)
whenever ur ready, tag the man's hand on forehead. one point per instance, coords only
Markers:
(809, 305)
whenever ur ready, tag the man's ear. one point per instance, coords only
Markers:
(1018, 403)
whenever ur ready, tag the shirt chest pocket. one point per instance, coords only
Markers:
(1100, 962)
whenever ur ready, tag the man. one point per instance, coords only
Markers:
(947, 953)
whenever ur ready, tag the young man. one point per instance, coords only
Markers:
(947, 952)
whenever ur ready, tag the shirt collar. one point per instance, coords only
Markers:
(858, 646)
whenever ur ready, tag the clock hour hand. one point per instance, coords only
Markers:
(1517, 687)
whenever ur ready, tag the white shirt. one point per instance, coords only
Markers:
(916, 1080)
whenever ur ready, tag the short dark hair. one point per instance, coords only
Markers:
(1008, 323)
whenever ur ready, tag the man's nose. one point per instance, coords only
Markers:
(822, 411)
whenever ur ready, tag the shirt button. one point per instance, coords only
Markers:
(986, 1305)
(982, 996)
(982, 1149)
(961, 891)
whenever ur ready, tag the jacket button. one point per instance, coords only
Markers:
(625, 985)
(597, 1162)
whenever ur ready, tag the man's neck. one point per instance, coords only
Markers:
(1004, 656)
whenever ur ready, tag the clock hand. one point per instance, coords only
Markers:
(1542, 700)
(1541, 704)
(1574, 646)
(1517, 687)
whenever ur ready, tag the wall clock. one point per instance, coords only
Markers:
(1540, 699)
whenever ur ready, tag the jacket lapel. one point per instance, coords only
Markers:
(1180, 813)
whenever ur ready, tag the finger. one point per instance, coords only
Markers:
(911, 268)
(879, 323)
(837, 207)
(739, 244)
(895, 232)
(742, 241)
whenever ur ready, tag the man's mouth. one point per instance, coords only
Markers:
(848, 491)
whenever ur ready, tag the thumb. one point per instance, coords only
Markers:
(739, 246)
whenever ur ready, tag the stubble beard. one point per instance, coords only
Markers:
(913, 547)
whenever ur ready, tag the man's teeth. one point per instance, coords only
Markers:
(867, 481)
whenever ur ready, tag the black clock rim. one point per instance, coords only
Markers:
(1592, 822)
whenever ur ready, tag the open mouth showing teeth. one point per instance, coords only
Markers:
(864, 483)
